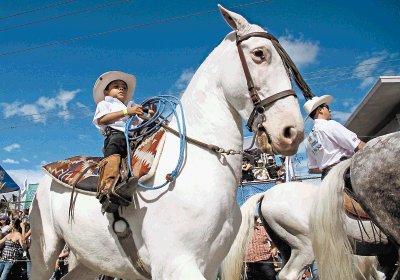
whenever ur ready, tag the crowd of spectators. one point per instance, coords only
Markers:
(15, 237)
(262, 168)
(14, 245)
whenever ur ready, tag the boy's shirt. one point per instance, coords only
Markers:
(111, 105)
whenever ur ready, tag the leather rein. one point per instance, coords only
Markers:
(260, 105)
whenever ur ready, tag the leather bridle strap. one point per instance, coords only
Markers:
(259, 104)
(260, 108)
(250, 84)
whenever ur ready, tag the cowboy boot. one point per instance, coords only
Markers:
(109, 175)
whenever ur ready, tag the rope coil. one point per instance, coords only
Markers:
(166, 107)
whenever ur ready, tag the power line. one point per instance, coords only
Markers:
(352, 73)
(128, 28)
(351, 66)
(64, 15)
(353, 78)
(38, 9)
(86, 108)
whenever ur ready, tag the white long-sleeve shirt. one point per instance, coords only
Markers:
(328, 142)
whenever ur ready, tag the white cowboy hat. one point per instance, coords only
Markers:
(108, 77)
(316, 101)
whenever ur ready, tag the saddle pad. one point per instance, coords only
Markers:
(75, 170)
(144, 156)
(353, 208)
(83, 171)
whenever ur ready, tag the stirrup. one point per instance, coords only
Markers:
(120, 195)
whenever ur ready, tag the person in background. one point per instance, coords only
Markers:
(13, 249)
(247, 170)
(61, 267)
(329, 142)
(261, 172)
(260, 262)
(272, 167)
(26, 239)
(4, 225)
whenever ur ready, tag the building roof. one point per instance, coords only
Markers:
(378, 107)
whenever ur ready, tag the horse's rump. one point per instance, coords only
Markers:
(82, 172)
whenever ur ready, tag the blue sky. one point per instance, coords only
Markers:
(46, 104)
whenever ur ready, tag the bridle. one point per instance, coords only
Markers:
(260, 105)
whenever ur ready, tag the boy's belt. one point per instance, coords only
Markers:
(109, 131)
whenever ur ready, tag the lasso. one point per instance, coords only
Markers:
(164, 104)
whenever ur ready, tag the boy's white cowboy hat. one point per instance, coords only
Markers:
(108, 77)
(316, 101)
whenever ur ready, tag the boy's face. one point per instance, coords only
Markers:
(117, 89)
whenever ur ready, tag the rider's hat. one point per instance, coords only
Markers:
(108, 77)
(316, 101)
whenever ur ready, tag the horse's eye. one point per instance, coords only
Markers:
(259, 53)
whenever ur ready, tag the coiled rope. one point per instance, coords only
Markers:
(166, 107)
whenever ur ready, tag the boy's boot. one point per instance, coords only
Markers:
(109, 175)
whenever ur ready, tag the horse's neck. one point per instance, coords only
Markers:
(208, 115)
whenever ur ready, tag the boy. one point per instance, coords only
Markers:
(112, 93)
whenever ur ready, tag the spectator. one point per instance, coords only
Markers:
(61, 267)
(4, 225)
(13, 249)
(272, 167)
(26, 238)
(247, 170)
(260, 256)
(261, 173)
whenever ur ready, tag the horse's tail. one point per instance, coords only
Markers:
(329, 239)
(231, 267)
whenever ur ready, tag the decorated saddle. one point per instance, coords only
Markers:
(82, 172)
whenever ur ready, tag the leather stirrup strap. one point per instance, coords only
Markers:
(127, 242)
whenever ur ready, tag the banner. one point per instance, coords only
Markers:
(7, 184)
(30, 194)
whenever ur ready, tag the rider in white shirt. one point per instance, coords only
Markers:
(329, 142)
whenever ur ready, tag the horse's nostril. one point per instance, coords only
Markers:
(287, 132)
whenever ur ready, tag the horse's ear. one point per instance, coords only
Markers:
(236, 21)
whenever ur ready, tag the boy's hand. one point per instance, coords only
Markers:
(135, 110)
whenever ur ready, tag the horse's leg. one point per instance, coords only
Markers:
(80, 272)
(296, 265)
(187, 271)
(46, 244)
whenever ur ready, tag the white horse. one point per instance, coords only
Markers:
(285, 210)
(184, 230)
(334, 237)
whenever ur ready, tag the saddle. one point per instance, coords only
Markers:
(351, 205)
(81, 173)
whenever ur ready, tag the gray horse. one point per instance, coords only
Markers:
(375, 180)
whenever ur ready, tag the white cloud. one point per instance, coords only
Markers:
(12, 147)
(341, 116)
(36, 111)
(302, 52)
(32, 176)
(369, 68)
(12, 161)
(184, 79)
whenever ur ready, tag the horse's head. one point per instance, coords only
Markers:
(266, 99)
